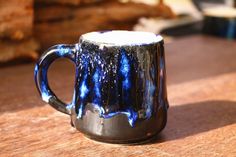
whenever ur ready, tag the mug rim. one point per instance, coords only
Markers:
(130, 38)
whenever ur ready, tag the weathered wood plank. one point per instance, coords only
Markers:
(69, 2)
(62, 24)
(16, 19)
(201, 77)
(18, 49)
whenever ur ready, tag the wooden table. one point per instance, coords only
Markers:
(202, 116)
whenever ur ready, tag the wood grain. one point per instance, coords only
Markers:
(16, 19)
(11, 50)
(68, 2)
(201, 75)
(63, 24)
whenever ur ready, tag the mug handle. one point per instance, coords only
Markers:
(40, 73)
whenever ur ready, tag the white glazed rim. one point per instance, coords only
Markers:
(122, 38)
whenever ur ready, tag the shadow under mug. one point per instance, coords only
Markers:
(120, 87)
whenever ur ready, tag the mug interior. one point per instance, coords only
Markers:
(122, 37)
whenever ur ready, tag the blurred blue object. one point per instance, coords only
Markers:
(220, 21)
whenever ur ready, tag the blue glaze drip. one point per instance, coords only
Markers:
(72, 104)
(160, 100)
(83, 88)
(100, 109)
(131, 115)
(63, 50)
(125, 70)
(97, 84)
(97, 92)
(81, 109)
(44, 92)
(149, 93)
(94, 95)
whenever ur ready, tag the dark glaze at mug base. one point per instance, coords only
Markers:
(117, 130)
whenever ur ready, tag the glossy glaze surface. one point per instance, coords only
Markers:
(119, 80)
(117, 88)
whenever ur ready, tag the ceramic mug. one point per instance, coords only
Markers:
(120, 87)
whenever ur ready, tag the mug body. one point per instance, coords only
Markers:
(120, 90)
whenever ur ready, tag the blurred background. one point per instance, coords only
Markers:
(28, 27)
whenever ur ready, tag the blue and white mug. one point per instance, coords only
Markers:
(120, 87)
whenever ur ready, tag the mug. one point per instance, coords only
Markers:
(220, 22)
(120, 91)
